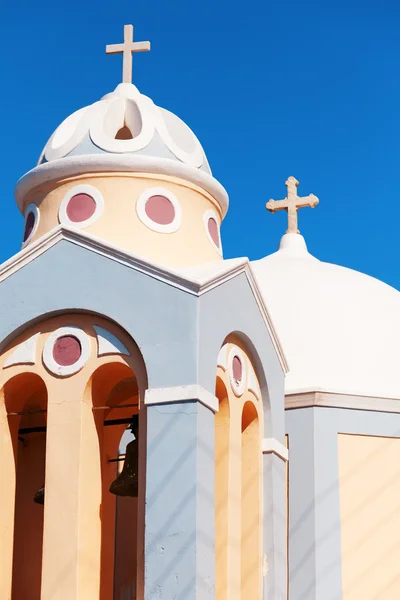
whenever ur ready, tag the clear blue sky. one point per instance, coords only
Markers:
(303, 88)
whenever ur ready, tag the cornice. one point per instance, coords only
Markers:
(347, 401)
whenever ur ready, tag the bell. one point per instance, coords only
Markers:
(39, 496)
(126, 483)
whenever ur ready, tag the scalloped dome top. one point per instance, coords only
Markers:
(124, 131)
(126, 122)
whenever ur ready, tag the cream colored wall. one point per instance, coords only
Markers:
(238, 480)
(120, 225)
(369, 476)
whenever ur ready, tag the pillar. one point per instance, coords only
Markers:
(180, 503)
(275, 456)
(72, 522)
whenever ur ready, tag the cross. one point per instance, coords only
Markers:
(292, 203)
(127, 48)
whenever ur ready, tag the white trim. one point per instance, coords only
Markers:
(24, 354)
(238, 388)
(181, 279)
(184, 393)
(141, 210)
(222, 360)
(117, 111)
(48, 359)
(128, 163)
(90, 190)
(252, 383)
(108, 343)
(272, 446)
(71, 131)
(194, 158)
(211, 214)
(338, 400)
(31, 208)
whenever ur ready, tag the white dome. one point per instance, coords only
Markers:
(339, 329)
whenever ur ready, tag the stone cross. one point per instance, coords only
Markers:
(292, 203)
(127, 48)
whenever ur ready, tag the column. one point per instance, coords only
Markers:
(72, 522)
(275, 456)
(180, 504)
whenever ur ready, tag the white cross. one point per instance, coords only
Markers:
(292, 203)
(127, 48)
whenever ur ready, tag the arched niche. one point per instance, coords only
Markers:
(222, 449)
(115, 398)
(238, 496)
(25, 403)
(251, 512)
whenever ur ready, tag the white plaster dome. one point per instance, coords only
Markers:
(126, 122)
(340, 329)
(123, 132)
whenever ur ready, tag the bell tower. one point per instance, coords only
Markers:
(142, 384)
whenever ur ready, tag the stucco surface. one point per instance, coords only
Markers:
(315, 549)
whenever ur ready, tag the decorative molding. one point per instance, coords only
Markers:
(31, 208)
(141, 210)
(211, 214)
(272, 446)
(222, 360)
(237, 388)
(52, 365)
(335, 400)
(24, 354)
(108, 343)
(90, 190)
(127, 163)
(252, 383)
(184, 393)
(224, 270)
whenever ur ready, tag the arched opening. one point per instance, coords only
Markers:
(222, 437)
(25, 398)
(115, 398)
(251, 504)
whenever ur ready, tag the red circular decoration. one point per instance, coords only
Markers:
(29, 225)
(67, 350)
(237, 369)
(160, 210)
(213, 231)
(80, 208)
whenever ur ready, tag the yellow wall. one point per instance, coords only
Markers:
(120, 225)
(369, 474)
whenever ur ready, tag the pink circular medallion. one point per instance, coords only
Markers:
(160, 210)
(80, 208)
(67, 350)
(29, 225)
(237, 369)
(213, 231)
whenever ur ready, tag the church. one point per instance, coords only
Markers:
(173, 425)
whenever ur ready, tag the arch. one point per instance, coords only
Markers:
(25, 403)
(222, 448)
(115, 398)
(251, 514)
